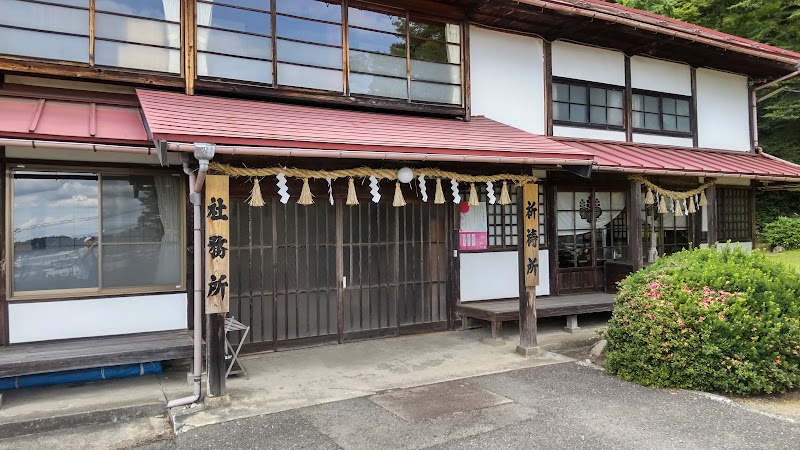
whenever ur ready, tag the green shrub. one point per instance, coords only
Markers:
(717, 321)
(784, 231)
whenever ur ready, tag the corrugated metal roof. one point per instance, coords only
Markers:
(38, 117)
(175, 117)
(654, 159)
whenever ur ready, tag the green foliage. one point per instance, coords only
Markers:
(717, 321)
(784, 231)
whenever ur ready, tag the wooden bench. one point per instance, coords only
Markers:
(86, 353)
(498, 311)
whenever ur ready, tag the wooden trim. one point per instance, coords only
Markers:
(4, 322)
(30, 66)
(340, 268)
(189, 48)
(635, 250)
(274, 40)
(713, 217)
(693, 110)
(627, 101)
(753, 226)
(527, 195)
(466, 81)
(423, 328)
(345, 48)
(548, 87)
(752, 111)
(92, 27)
(551, 228)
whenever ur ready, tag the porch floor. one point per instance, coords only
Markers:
(85, 353)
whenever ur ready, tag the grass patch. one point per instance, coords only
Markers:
(791, 258)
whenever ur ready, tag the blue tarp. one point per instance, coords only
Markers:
(83, 375)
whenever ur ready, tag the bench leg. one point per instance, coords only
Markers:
(572, 324)
(497, 329)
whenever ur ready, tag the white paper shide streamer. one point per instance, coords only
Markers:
(490, 192)
(454, 188)
(330, 190)
(283, 191)
(373, 185)
(423, 190)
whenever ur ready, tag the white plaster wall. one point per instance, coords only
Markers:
(495, 275)
(643, 138)
(589, 133)
(587, 63)
(89, 156)
(661, 76)
(507, 78)
(723, 115)
(48, 320)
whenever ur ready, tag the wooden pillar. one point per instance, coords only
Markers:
(217, 263)
(3, 236)
(635, 250)
(528, 249)
(711, 197)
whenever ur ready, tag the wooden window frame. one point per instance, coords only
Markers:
(661, 132)
(739, 230)
(99, 291)
(589, 85)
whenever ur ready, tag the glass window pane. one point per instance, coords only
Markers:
(233, 19)
(44, 45)
(234, 43)
(153, 9)
(651, 122)
(434, 51)
(435, 93)
(313, 9)
(668, 105)
(684, 124)
(55, 231)
(615, 99)
(650, 104)
(313, 55)
(614, 117)
(377, 64)
(597, 115)
(561, 92)
(577, 94)
(44, 17)
(137, 56)
(682, 107)
(597, 96)
(253, 4)
(429, 71)
(637, 102)
(670, 122)
(638, 120)
(577, 113)
(376, 20)
(310, 77)
(374, 41)
(139, 31)
(378, 86)
(234, 68)
(428, 30)
(141, 231)
(306, 30)
(560, 111)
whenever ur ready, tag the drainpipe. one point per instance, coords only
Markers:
(203, 153)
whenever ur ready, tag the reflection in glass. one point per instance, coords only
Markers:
(375, 20)
(312, 9)
(49, 18)
(374, 41)
(309, 31)
(378, 86)
(377, 64)
(55, 231)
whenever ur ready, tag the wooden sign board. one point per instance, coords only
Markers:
(530, 205)
(217, 212)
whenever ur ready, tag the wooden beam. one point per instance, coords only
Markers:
(84, 73)
(711, 197)
(628, 100)
(4, 337)
(217, 213)
(693, 110)
(528, 249)
(635, 250)
(548, 88)
(339, 211)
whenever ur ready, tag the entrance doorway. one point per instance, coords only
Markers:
(322, 273)
(592, 228)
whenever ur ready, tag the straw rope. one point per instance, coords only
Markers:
(675, 195)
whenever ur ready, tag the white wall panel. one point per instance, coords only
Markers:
(661, 76)
(589, 133)
(48, 320)
(495, 275)
(723, 115)
(583, 62)
(643, 138)
(507, 78)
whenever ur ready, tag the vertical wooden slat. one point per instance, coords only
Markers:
(635, 224)
(452, 254)
(752, 212)
(528, 217)
(627, 101)
(273, 36)
(296, 287)
(92, 27)
(551, 218)
(307, 269)
(548, 87)
(274, 204)
(711, 197)
(4, 249)
(396, 264)
(339, 268)
(466, 89)
(345, 50)
(693, 110)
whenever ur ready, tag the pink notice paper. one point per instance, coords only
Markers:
(472, 240)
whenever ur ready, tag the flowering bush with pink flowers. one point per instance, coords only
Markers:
(714, 321)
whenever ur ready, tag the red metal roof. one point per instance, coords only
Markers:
(653, 159)
(28, 116)
(613, 12)
(175, 117)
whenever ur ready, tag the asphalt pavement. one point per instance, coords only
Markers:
(560, 406)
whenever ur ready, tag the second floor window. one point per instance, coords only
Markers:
(661, 113)
(577, 102)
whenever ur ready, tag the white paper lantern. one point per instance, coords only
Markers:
(405, 175)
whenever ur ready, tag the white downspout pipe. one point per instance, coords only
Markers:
(203, 155)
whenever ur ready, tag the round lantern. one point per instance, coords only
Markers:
(405, 175)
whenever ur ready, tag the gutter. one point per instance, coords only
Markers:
(681, 173)
(30, 143)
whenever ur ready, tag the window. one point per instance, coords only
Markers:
(735, 215)
(95, 232)
(661, 113)
(577, 102)
(52, 30)
(502, 231)
(592, 228)
(663, 234)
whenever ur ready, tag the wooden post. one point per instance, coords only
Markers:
(528, 245)
(635, 249)
(711, 197)
(217, 278)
